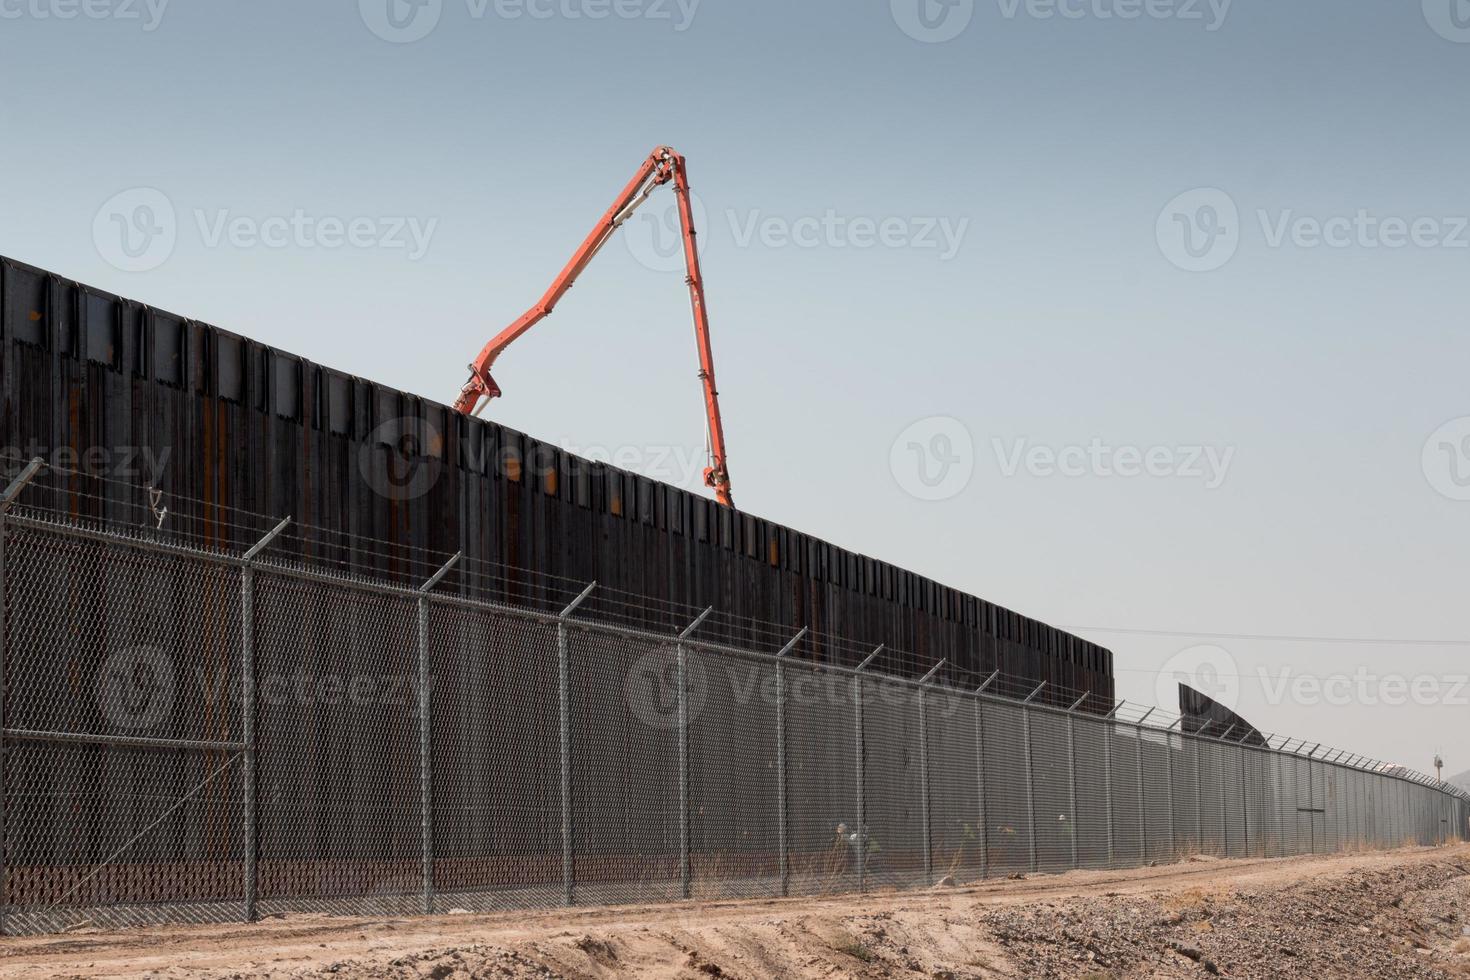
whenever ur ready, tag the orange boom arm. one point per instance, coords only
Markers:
(662, 166)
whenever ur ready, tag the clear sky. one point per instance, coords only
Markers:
(1138, 314)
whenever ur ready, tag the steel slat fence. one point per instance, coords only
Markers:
(199, 736)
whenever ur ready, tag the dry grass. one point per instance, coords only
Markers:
(853, 946)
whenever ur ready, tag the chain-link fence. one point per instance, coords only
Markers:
(207, 736)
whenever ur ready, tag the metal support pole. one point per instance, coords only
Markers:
(1072, 782)
(924, 801)
(924, 779)
(426, 756)
(983, 836)
(1030, 779)
(1108, 786)
(1142, 813)
(1199, 802)
(1245, 808)
(1224, 807)
(1312, 801)
(564, 720)
(988, 681)
(783, 809)
(1173, 829)
(21, 481)
(247, 712)
(860, 833)
(685, 871)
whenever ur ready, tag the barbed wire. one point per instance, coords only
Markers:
(478, 579)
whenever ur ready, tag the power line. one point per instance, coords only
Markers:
(1274, 637)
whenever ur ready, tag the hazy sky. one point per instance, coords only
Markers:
(1140, 314)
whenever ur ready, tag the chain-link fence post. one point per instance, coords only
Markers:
(860, 833)
(1108, 782)
(247, 735)
(1245, 806)
(564, 725)
(783, 807)
(980, 794)
(1199, 800)
(1072, 770)
(426, 755)
(1169, 759)
(247, 713)
(682, 653)
(1034, 860)
(924, 797)
(1142, 798)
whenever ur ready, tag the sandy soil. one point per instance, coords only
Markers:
(1398, 914)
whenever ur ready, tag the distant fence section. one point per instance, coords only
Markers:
(200, 736)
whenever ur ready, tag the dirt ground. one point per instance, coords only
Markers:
(1397, 914)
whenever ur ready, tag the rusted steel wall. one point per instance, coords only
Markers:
(1204, 715)
(249, 427)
